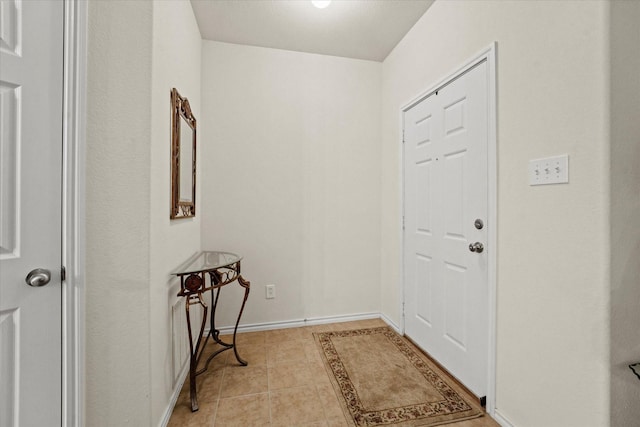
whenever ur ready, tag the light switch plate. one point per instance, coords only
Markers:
(550, 170)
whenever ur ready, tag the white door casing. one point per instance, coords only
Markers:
(446, 292)
(31, 88)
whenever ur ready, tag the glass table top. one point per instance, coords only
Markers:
(206, 260)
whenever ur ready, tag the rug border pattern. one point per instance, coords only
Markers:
(452, 403)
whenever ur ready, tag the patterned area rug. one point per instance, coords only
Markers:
(382, 379)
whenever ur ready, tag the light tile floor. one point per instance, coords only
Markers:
(285, 384)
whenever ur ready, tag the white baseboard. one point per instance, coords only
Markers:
(391, 324)
(501, 419)
(174, 397)
(254, 327)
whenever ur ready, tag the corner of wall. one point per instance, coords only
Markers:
(176, 58)
(624, 80)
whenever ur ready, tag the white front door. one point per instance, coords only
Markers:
(446, 190)
(31, 58)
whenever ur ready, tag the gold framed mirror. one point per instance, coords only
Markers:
(183, 158)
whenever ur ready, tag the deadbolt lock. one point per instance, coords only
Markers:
(479, 224)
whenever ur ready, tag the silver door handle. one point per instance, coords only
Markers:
(476, 247)
(38, 277)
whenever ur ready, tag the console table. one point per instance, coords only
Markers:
(221, 268)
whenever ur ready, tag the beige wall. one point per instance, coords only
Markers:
(290, 178)
(176, 63)
(117, 380)
(625, 211)
(552, 240)
(138, 51)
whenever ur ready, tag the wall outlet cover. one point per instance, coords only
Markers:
(270, 291)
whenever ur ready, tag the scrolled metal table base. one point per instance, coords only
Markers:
(193, 286)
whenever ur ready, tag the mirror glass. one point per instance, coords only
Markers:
(183, 158)
(186, 160)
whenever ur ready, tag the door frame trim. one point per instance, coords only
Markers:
(73, 212)
(488, 54)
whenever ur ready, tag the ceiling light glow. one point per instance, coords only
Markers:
(321, 4)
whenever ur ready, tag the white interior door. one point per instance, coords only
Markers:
(31, 58)
(446, 190)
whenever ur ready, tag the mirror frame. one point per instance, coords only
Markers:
(181, 115)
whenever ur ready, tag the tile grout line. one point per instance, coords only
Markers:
(324, 409)
(220, 392)
(268, 385)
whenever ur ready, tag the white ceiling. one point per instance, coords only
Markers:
(362, 29)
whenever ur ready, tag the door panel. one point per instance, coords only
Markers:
(455, 285)
(423, 289)
(423, 197)
(31, 40)
(446, 189)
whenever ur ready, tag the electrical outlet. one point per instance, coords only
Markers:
(270, 291)
(550, 170)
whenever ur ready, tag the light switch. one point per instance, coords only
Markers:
(550, 170)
